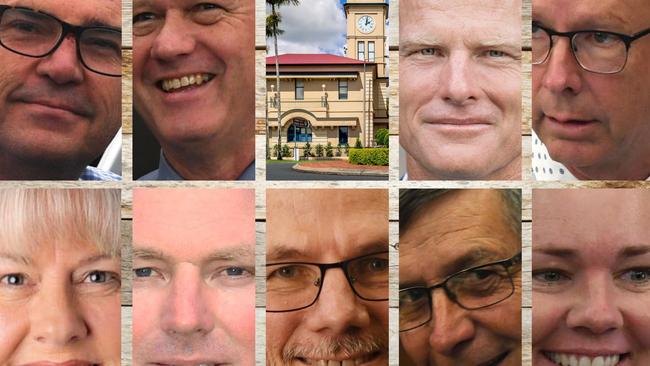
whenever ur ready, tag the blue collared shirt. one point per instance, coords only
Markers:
(166, 172)
(92, 173)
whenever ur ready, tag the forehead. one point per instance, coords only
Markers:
(493, 19)
(183, 222)
(628, 16)
(586, 219)
(463, 223)
(77, 12)
(327, 224)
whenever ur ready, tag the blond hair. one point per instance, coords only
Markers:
(32, 217)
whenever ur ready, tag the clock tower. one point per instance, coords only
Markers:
(366, 34)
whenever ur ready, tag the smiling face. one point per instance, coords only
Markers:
(193, 69)
(459, 230)
(53, 110)
(193, 282)
(327, 226)
(591, 277)
(595, 124)
(460, 89)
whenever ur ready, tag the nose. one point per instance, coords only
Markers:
(173, 40)
(451, 325)
(185, 311)
(596, 312)
(561, 72)
(338, 310)
(63, 66)
(56, 317)
(458, 85)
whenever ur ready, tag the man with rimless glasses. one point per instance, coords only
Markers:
(591, 89)
(327, 277)
(460, 277)
(59, 87)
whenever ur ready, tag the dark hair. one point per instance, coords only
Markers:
(412, 200)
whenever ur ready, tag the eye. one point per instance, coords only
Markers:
(13, 279)
(412, 296)
(205, 6)
(428, 51)
(234, 272)
(143, 272)
(206, 13)
(549, 277)
(100, 277)
(143, 17)
(603, 38)
(496, 53)
(637, 275)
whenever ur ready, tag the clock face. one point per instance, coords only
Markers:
(366, 24)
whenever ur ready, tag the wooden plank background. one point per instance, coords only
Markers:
(260, 185)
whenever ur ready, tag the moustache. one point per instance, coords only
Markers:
(71, 100)
(347, 345)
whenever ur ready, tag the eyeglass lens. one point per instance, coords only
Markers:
(472, 289)
(291, 286)
(595, 51)
(35, 34)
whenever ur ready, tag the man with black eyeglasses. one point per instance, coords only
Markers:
(460, 277)
(59, 87)
(327, 277)
(591, 89)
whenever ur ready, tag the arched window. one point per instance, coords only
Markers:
(298, 133)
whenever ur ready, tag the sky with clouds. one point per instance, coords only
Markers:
(314, 26)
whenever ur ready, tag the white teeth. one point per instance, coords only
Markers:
(353, 362)
(188, 80)
(564, 359)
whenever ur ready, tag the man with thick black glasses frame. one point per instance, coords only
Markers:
(460, 277)
(327, 277)
(59, 88)
(591, 90)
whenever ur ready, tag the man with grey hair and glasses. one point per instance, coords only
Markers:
(60, 87)
(327, 277)
(460, 277)
(591, 89)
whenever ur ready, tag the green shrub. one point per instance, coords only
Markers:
(319, 150)
(329, 150)
(307, 150)
(357, 144)
(346, 149)
(286, 152)
(275, 150)
(373, 156)
(381, 137)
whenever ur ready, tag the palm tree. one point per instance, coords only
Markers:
(273, 21)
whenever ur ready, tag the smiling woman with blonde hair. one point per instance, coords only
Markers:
(60, 276)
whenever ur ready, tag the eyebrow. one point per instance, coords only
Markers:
(83, 262)
(283, 252)
(219, 255)
(16, 258)
(96, 258)
(558, 252)
(92, 21)
(473, 257)
(633, 251)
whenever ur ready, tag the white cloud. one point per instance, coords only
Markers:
(314, 26)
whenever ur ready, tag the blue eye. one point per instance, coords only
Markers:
(638, 275)
(428, 51)
(235, 271)
(143, 272)
(496, 53)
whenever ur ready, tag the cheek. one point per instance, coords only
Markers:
(236, 311)
(14, 327)
(547, 313)
(103, 316)
(146, 311)
(503, 88)
(416, 344)
(279, 328)
(638, 320)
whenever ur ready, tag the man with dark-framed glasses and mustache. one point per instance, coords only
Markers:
(59, 87)
(327, 277)
(460, 277)
(591, 89)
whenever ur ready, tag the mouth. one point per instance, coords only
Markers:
(67, 363)
(497, 360)
(185, 82)
(569, 359)
(460, 122)
(56, 107)
(338, 361)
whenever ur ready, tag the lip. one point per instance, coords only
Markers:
(460, 122)
(623, 357)
(186, 362)
(182, 97)
(569, 127)
(358, 359)
(66, 363)
(55, 106)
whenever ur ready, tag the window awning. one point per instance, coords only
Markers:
(350, 75)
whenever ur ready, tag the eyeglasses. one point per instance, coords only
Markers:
(35, 34)
(472, 288)
(292, 286)
(595, 51)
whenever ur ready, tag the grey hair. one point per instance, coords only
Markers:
(412, 200)
(32, 217)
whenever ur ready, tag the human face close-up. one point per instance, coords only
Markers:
(459, 230)
(52, 108)
(591, 277)
(597, 125)
(193, 69)
(193, 277)
(460, 88)
(327, 226)
(59, 303)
